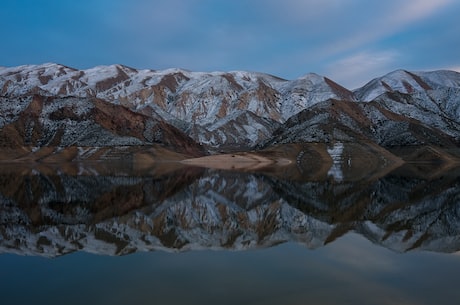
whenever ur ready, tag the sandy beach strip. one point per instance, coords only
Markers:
(237, 161)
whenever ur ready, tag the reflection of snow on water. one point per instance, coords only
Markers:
(336, 155)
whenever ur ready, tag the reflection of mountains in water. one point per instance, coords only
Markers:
(50, 212)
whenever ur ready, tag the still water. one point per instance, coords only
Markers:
(114, 234)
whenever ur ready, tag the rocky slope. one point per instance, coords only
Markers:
(67, 121)
(200, 104)
(44, 122)
(229, 110)
(347, 121)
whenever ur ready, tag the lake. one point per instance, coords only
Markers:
(114, 233)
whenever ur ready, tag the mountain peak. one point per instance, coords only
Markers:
(313, 77)
(51, 105)
(399, 80)
(441, 78)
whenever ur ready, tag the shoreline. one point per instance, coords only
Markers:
(237, 161)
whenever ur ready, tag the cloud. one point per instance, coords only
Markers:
(454, 68)
(410, 11)
(376, 22)
(287, 38)
(357, 69)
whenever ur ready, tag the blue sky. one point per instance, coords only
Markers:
(349, 41)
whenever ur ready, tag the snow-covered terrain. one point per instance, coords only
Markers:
(231, 108)
(190, 101)
(51, 113)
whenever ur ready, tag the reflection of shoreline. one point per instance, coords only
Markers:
(342, 161)
(50, 212)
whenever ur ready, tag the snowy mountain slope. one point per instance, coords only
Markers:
(63, 122)
(307, 91)
(346, 121)
(231, 109)
(238, 129)
(56, 113)
(191, 96)
(437, 109)
(432, 98)
(408, 82)
(182, 98)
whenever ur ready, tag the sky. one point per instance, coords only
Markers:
(349, 41)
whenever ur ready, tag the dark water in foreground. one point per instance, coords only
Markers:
(349, 271)
(92, 235)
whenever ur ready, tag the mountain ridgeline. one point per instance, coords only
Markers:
(304, 160)
(51, 109)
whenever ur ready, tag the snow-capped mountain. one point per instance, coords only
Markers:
(195, 113)
(196, 97)
(62, 122)
(197, 103)
(408, 82)
(239, 110)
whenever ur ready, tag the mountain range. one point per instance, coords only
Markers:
(110, 160)
(51, 109)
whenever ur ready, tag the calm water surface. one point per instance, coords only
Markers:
(194, 236)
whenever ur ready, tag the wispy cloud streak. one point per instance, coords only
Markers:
(355, 70)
